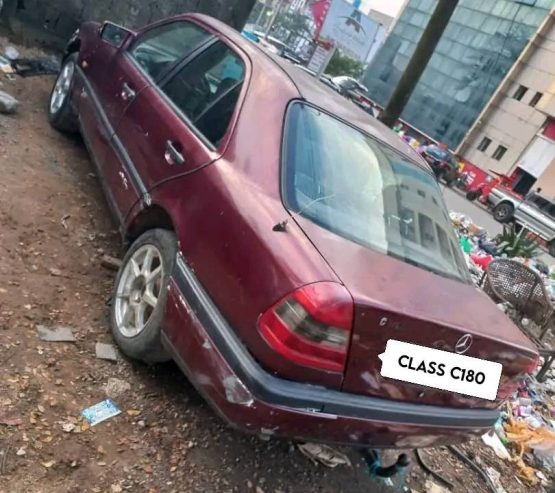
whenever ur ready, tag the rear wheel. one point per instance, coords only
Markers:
(60, 112)
(503, 213)
(473, 195)
(140, 296)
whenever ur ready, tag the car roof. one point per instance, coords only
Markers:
(314, 92)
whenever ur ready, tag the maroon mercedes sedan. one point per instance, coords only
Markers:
(278, 238)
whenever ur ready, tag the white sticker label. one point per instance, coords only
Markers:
(441, 369)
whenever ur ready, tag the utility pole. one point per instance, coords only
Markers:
(419, 60)
(261, 14)
(277, 10)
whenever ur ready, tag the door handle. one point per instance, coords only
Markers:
(173, 154)
(127, 93)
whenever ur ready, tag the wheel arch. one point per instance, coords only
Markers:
(505, 202)
(152, 217)
(73, 47)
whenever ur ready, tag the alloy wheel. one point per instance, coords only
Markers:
(139, 290)
(62, 87)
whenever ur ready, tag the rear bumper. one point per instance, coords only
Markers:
(250, 398)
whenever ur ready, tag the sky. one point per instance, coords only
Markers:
(389, 7)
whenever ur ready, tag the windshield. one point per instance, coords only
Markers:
(358, 188)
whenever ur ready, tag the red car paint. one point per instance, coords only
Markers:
(224, 204)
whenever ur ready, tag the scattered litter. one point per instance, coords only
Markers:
(495, 479)
(68, 427)
(492, 440)
(10, 421)
(106, 351)
(56, 334)
(324, 454)
(419, 453)
(11, 53)
(8, 104)
(431, 487)
(48, 464)
(543, 478)
(55, 272)
(20, 452)
(5, 66)
(101, 412)
(115, 387)
(110, 263)
(64, 221)
(473, 464)
(40, 66)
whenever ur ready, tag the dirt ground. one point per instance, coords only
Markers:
(54, 228)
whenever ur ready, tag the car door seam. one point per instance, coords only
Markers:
(115, 141)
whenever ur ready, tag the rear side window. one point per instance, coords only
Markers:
(206, 90)
(161, 47)
(354, 186)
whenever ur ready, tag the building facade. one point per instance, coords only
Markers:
(481, 43)
(515, 133)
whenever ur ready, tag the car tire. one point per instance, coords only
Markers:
(503, 212)
(551, 248)
(60, 110)
(139, 297)
(473, 195)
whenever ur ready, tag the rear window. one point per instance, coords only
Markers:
(359, 188)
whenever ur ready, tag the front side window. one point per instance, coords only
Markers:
(357, 187)
(206, 90)
(161, 47)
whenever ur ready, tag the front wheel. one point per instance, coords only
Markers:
(140, 295)
(60, 111)
(503, 213)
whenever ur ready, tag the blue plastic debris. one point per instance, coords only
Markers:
(101, 412)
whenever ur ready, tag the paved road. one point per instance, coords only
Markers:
(481, 217)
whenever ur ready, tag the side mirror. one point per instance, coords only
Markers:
(114, 34)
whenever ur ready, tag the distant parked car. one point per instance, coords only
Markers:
(443, 163)
(325, 78)
(347, 85)
(536, 213)
(279, 239)
(279, 48)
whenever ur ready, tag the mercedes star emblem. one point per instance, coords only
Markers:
(463, 344)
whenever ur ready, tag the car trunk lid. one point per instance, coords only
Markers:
(395, 300)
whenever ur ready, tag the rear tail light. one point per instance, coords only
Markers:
(312, 326)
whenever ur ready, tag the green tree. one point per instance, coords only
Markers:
(294, 23)
(344, 65)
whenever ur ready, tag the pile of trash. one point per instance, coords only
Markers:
(525, 433)
(479, 250)
(12, 64)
